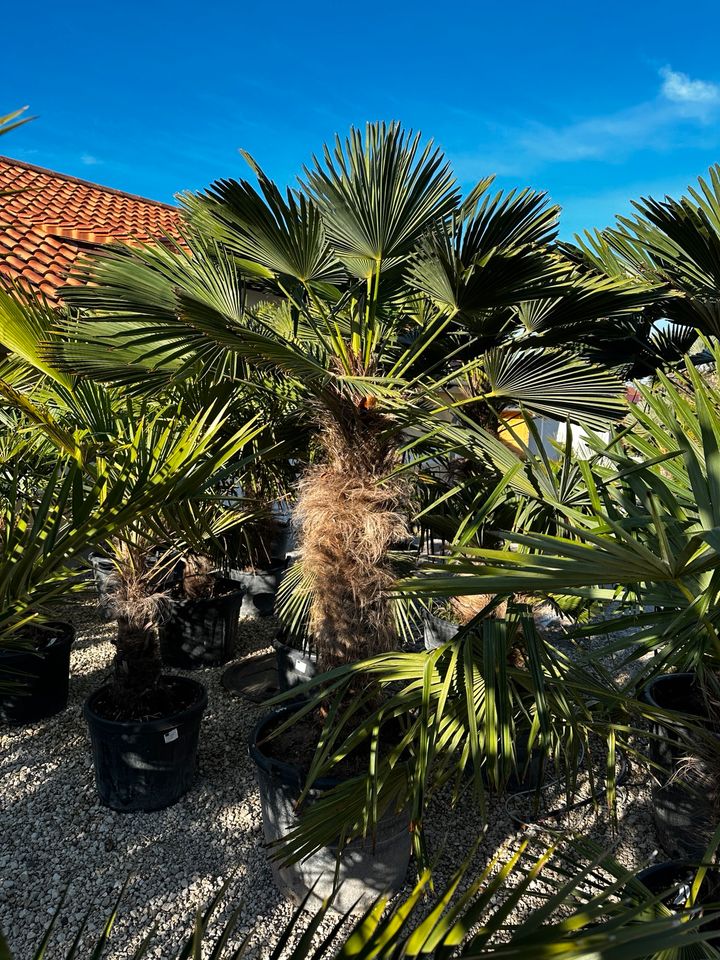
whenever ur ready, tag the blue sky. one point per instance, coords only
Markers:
(595, 103)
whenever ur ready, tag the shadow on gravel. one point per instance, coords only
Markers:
(56, 836)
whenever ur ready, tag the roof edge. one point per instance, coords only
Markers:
(89, 183)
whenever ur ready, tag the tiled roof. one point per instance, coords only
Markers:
(53, 219)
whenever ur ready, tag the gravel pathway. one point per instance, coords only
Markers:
(55, 837)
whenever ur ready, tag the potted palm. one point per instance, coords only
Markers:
(142, 712)
(46, 532)
(144, 724)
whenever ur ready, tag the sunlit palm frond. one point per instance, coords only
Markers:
(378, 193)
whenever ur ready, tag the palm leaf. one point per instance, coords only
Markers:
(378, 194)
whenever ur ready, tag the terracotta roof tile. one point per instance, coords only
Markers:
(47, 225)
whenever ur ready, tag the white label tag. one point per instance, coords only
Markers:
(171, 735)
(301, 666)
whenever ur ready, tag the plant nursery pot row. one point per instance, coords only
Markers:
(201, 632)
(684, 816)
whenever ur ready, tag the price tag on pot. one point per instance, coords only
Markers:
(171, 735)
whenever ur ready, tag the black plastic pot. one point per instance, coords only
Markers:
(665, 877)
(260, 588)
(295, 666)
(684, 817)
(528, 774)
(365, 868)
(437, 632)
(673, 880)
(681, 693)
(146, 765)
(43, 672)
(202, 633)
(283, 541)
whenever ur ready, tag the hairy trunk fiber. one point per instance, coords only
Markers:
(137, 662)
(350, 515)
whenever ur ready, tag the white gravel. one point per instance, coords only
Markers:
(54, 835)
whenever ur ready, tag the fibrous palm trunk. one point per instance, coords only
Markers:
(137, 664)
(350, 515)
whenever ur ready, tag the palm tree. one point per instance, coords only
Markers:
(650, 528)
(677, 243)
(673, 244)
(366, 297)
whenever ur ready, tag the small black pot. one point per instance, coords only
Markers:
(202, 633)
(437, 632)
(295, 666)
(44, 673)
(367, 868)
(150, 764)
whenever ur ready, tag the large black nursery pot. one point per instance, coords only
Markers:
(366, 868)
(202, 632)
(148, 764)
(681, 693)
(295, 665)
(684, 816)
(41, 672)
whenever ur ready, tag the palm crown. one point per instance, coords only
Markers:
(371, 297)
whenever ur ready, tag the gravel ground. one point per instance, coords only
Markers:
(55, 837)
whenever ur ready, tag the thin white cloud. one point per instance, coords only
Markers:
(89, 160)
(681, 113)
(679, 88)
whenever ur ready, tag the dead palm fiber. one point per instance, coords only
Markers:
(350, 514)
